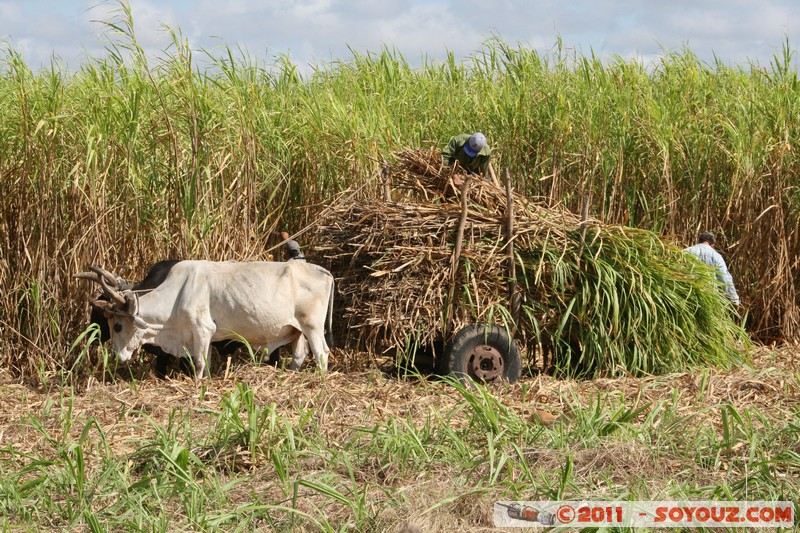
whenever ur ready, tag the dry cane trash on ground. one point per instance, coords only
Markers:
(351, 397)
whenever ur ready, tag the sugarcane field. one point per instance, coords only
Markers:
(240, 297)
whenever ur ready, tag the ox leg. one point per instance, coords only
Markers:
(316, 341)
(299, 352)
(201, 355)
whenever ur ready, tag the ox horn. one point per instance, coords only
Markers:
(91, 276)
(100, 271)
(103, 278)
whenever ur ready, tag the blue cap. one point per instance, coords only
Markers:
(474, 144)
(468, 150)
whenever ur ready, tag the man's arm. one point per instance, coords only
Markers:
(483, 166)
(727, 281)
(449, 152)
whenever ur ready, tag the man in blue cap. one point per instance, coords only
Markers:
(470, 151)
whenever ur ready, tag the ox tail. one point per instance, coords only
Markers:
(329, 318)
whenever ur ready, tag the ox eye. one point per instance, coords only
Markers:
(117, 327)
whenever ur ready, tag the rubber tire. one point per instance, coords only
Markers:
(456, 355)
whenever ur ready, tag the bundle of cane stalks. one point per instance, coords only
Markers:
(599, 299)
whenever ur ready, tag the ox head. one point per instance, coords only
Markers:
(119, 306)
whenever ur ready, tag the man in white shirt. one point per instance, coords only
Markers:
(704, 250)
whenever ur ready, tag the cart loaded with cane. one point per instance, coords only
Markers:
(488, 281)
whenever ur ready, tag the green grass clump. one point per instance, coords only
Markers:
(622, 301)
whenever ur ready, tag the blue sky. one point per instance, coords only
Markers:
(315, 31)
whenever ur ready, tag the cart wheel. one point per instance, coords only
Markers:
(484, 353)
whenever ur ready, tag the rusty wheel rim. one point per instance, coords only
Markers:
(485, 363)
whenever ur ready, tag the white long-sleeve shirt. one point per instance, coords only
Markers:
(708, 255)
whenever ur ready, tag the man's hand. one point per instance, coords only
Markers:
(458, 180)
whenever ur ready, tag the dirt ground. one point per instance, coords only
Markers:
(770, 383)
(355, 393)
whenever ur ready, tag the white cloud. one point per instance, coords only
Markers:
(321, 30)
(11, 13)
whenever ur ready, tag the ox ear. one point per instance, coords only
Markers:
(101, 304)
(104, 306)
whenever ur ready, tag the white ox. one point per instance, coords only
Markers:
(268, 304)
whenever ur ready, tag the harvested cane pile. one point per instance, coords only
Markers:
(600, 299)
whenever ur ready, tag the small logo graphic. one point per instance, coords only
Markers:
(528, 513)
